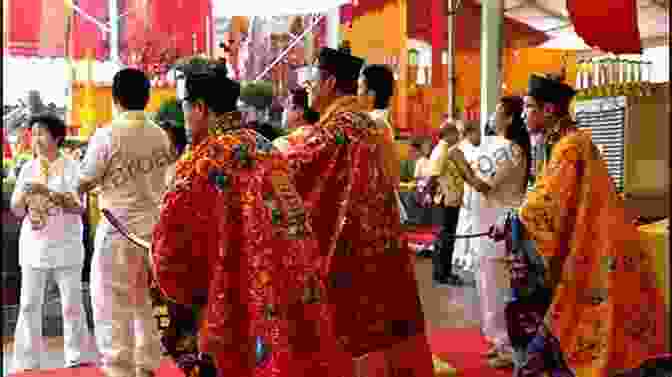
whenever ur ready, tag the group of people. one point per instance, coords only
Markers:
(286, 257)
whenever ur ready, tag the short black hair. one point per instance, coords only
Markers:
(380, 79)
(131, 89)
(177, 134)
(219, 92)
(55, 126)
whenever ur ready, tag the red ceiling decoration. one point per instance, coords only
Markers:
(468, 27)
(598, 21)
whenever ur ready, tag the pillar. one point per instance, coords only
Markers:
(438, 42)
(333, 25)
(114, 30)
(492, 18)
(403, 66)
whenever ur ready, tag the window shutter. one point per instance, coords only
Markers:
(605, 118)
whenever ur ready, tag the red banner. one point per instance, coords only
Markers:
(23, 26)
(608, 25)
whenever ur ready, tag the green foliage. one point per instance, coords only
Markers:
(197, 63)
(171, 111)
(8, 184)
(258, 94)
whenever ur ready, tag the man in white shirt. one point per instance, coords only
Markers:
(127, 163)
(464, 247)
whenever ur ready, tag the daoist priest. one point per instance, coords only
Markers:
(232, 238)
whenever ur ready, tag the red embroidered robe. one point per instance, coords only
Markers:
(339, 169)
(232, 234)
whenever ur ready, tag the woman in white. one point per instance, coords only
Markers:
(50, 244)
(503, 163)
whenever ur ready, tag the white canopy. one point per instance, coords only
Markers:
(49, 76)
(265, 8)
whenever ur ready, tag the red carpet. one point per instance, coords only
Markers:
(460, 347)
(463, 349)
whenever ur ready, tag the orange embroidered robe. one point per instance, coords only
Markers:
(606, 311)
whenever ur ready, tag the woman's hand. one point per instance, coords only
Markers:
(65, 200)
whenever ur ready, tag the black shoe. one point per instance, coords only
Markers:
(425, 253)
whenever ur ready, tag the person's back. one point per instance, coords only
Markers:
(233, 216)
(127, 163)
(349, 196)
(140, 152)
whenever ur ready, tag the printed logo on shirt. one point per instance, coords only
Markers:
(487, 165)
(131, 168)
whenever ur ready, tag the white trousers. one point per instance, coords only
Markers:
(492, 283)
(465, 248)
(126, 333)
(28, 334)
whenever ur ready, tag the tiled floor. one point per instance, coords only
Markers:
(444, 306)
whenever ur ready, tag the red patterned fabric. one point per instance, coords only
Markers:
(597, 22)
(233, 231)
(353, 209)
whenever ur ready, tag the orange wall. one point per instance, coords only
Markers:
(102, 97)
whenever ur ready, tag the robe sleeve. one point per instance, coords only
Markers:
(305, 145)
(183, 238)
(549, 213)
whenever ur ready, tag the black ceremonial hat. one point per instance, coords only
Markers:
(549, 90)
(342, 65)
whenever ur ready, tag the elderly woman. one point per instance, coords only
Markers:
(50, 244)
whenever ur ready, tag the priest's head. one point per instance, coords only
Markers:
(206, 95)
(547, 100)
(336, 75)
(130, 90)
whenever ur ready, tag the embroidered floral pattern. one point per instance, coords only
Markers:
(593, 261)
(240, 226)
(340, 174)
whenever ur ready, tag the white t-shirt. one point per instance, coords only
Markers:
(59, 243)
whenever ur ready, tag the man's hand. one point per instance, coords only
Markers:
(482, 187)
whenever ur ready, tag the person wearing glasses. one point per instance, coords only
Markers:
(50, 244)
(234, 218)
(126, 162)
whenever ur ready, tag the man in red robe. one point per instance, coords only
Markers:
(233, 237)
(339, 169)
